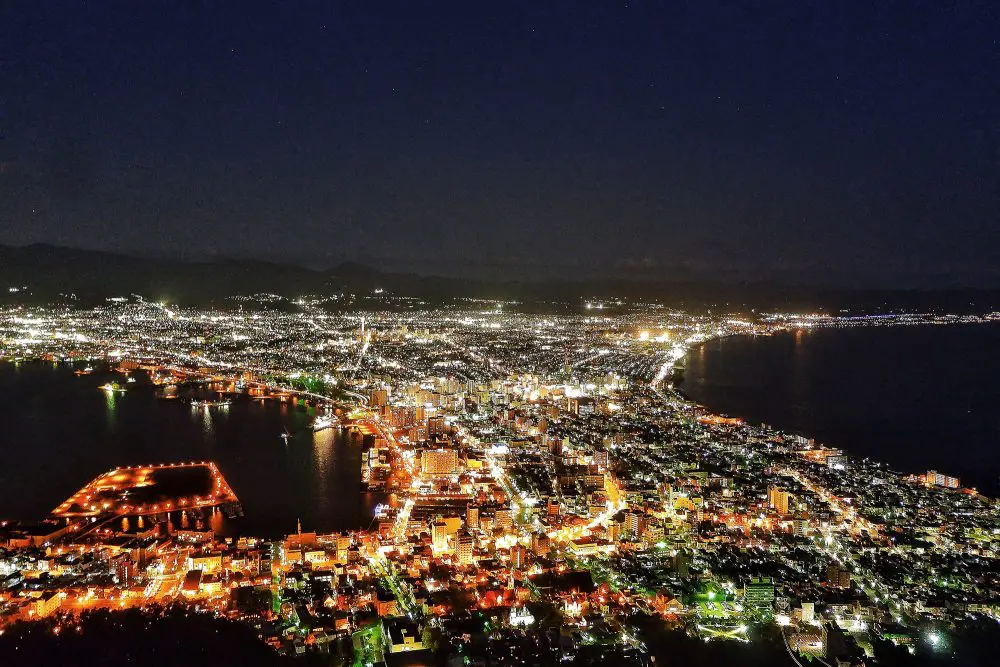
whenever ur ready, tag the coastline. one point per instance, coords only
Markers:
(275, 482)
(770, 508)
(832, 432)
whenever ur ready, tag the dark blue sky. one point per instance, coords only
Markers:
(805, 141)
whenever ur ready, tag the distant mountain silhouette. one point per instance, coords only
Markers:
(52, 272)
(49, 271)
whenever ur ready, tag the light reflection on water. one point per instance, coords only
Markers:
(206, 422)
(72, 433)
(216, 520)
(916, 397)
(111, 408)
(322, 444)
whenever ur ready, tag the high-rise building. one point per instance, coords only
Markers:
(464, 544)
(435, 426)
(378, 398)
(552, 508)
(937, 479)
(582, 406)
(503, 519)
(343, 547)
(777, 499)
(540, 544)
(472, 517)
(439, 461)
(759, 593)
(555, 445)
(439, 535)
(635, 523)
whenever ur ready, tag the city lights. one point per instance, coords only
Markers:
(524, 460)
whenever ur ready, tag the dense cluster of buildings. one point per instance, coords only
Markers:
(550, 494)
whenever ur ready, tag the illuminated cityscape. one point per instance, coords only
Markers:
(636, 333)
(549, 494)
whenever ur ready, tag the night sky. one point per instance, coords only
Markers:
(807, 141)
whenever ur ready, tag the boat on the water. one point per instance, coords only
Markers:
(322, 422)
(205, 405)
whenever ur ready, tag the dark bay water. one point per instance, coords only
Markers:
(58, 431)
(922, 397)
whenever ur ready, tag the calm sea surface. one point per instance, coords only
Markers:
(58, 431)
(919, 398)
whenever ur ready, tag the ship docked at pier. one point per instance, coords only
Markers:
(323, 422)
